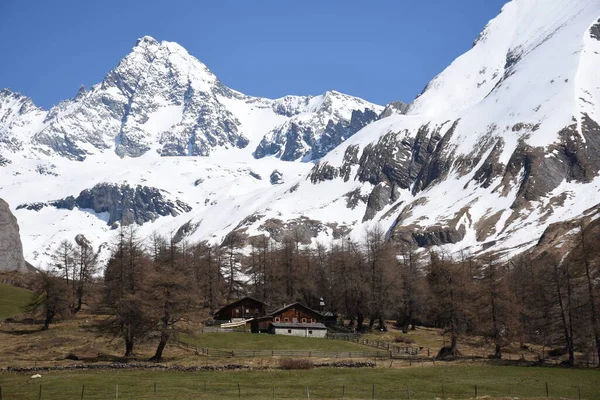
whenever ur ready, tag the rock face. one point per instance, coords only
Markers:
(309, 136)
(276, 178)
(394, 108)
(571, 240)
(125, 204)
(11, 249)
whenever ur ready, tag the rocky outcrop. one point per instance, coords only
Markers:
(595, 31)
(566, 242)
(124, 204)
(128, 205)
(11, 249)
(429, 236)
(394, 108)
(310, 136)
(276, 177)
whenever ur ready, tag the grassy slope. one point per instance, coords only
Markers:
(468, 345)
(424, 383)
(12, 299)
(265, 341)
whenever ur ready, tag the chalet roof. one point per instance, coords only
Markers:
(296, 325)
(300, 305)
(233, 304)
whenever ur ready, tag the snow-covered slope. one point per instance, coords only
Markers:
(501, 144)
(141, 131)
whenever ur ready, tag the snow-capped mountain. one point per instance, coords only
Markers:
(161, 99)
(501, 144)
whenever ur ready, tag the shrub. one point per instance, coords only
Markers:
(561, 351)
(403, 339)
(295, 363)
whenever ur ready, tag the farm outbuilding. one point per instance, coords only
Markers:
(298, 329)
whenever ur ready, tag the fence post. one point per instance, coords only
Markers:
(204, 386)
(443, 394)
(307, 393)
(155, 389)
(408, 391)
(578, 392)
(273, 392)
(343, 391)
(509, 390)
(239, 391)
(373, 392)
(547, 391)
(40, 394)
(475, 390)
(82, 392)
(117, 392)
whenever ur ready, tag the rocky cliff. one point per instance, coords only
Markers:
(11, 250)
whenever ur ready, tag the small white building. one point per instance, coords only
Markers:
(298, 329)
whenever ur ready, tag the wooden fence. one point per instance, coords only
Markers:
(219, 353)
(396, 349)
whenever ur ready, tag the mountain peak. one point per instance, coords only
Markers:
(146, 41)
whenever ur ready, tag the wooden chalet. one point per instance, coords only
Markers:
(242, 309)
(295, 313)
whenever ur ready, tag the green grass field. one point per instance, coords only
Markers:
(12, 300)
(326, 383)
(265, 341)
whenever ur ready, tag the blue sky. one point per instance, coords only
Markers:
(380, 50)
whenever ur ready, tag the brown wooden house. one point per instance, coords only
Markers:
(295, 313)
(244, 308)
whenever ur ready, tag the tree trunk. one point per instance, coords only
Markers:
(563, 317)
(498, 352)
(128, 348)
(164, 338)
(359, 322)
(371, 323)
(48, 319)
(128, 342)
(165, 334)
(382, 324)
(453, 343)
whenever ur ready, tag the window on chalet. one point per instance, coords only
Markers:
(286, 319)
(312, 320)
(237, 311)
(289, 331)
(277, 319)
(303, 320)
(310, 332)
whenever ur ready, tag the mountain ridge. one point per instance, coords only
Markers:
(499, 146)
